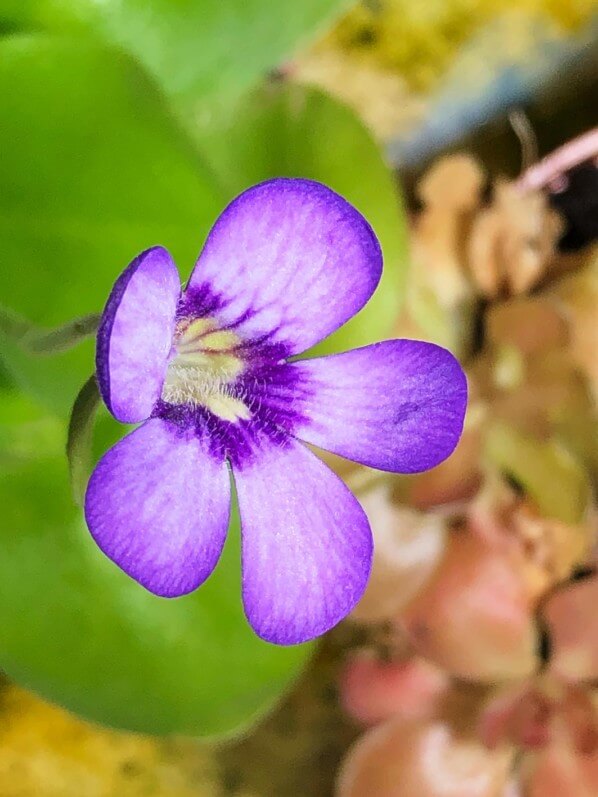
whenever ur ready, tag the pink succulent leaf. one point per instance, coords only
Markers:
(474, 617)
(580, 717)
(407, 549)
(372, 690)
(546, 551)
(535, 714)
(560, 772)
(498, 716)
(423, 759)
(573, 623)
(512, 789)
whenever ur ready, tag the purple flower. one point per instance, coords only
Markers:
(212, 375)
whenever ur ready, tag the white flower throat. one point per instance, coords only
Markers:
(205, 365)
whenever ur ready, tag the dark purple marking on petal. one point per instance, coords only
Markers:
(306, 544)
(398, 405)
(274, 393)
(158, 504)
(288, 261)
(237, 441)
(199, 302)
(135, 335)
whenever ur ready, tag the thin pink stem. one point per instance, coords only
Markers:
(573, 153)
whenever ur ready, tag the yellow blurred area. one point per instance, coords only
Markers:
(47, 752)
(387, 58)
(418, 39)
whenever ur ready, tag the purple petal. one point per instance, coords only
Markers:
(135, 335)
(158, 505)
(398, 405)
(289, 260)
(307, 545)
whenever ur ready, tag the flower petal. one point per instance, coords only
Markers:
(135, 335)
(398, 405)
(289, 260)
(307, 545)
(158, 505)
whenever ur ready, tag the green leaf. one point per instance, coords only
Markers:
(25, 429)
(204, 54)
(299, 132)
(81, 633)
(93, 171)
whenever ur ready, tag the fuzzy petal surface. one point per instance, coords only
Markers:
(135, 335)
(158, 505)
(306, 544)
(289, 261)
(397, 405)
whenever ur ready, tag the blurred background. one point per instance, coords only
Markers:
(466, 131)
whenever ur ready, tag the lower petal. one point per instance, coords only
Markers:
(307, 545)
(398, 405)
(158, 505)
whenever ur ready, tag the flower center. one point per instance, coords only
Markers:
(204, 369)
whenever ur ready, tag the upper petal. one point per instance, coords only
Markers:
(135, 335)
(307, 545)
(158, 505)
(398, 405)
(289, 260)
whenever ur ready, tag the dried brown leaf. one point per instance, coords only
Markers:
(512, 242)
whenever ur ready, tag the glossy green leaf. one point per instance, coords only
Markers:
(25, 430)
(79, 632)
(204, 53)
(93, 171)
(300, 132)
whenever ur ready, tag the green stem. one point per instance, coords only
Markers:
(45, 342)
(80, 437)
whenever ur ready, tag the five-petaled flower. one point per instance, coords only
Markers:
(211, 373)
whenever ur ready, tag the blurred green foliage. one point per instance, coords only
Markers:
(203, 53)
(127, 124)
(94, 170)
